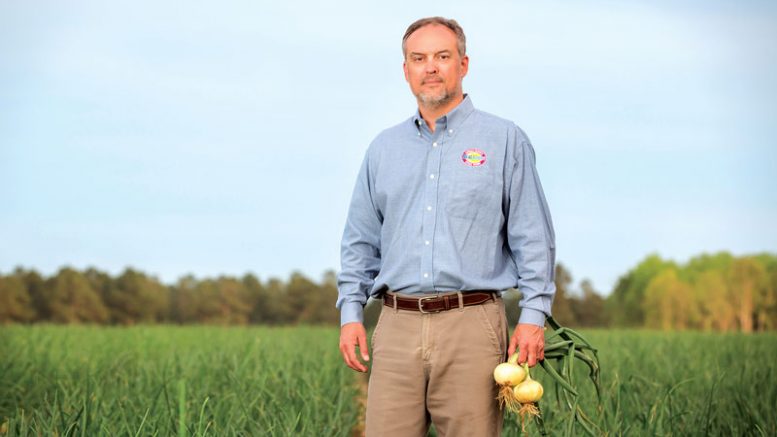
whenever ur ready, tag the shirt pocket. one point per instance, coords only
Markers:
(470, 190)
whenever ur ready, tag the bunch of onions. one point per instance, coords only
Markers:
(518, 392)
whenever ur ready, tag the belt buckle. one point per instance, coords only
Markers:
(421, 306)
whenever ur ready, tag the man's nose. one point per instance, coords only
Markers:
(431, 66)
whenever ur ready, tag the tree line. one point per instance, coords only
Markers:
(133, 297)
(710, 292)
(717, 292)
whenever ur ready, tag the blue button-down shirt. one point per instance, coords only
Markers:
(460, 208)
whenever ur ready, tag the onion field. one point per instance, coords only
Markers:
(162, 380)
(290, 381)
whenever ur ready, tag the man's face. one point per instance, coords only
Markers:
(433, 67)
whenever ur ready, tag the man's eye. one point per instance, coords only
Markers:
(444, 56)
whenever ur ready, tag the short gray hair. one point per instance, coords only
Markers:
(449, 23)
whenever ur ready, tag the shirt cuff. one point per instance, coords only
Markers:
(351, 312)
(532, 316)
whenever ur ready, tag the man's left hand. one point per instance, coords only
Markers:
(530, 341)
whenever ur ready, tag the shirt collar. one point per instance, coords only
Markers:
(451, 120)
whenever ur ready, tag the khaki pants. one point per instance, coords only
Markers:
(436, 367)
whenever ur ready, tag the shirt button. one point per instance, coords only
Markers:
(426, 275)
(426, 242)
(431, 176)
(434, 144)
(428, 208)
(450, 131)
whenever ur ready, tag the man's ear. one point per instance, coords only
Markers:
(464, 65)
(404, 68)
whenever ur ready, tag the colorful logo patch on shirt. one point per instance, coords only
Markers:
(473, 157)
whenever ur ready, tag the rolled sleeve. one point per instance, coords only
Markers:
(530, 235)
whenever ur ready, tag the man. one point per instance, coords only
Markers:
(446, 214)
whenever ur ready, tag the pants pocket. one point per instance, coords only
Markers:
(377, 328)
(491, 320)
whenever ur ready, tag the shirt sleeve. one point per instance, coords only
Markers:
(530, 235)
(360, 248)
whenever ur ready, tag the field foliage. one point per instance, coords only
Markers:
(165, 380)
(174, 381)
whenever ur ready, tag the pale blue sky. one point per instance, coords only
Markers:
(225, 137)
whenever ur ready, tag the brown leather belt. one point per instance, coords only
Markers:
(436, 303)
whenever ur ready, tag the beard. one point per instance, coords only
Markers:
(435, 100)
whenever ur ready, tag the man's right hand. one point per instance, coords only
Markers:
(352, 335)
